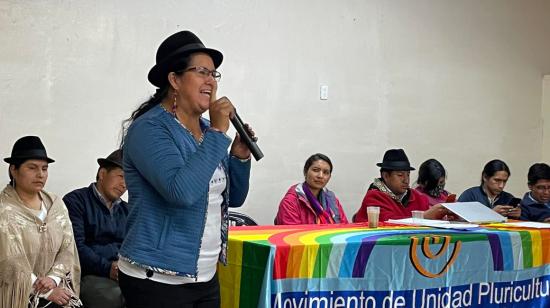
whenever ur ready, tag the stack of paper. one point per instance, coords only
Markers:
(444, 224)
(529, 224)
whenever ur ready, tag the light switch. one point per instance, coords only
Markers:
(323, 92)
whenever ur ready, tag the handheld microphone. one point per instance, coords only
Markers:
(246, 137)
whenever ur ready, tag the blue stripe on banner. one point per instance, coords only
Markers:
(398, 275)
(506, 244)
(336, 255)
(533, 292)
(346, 268)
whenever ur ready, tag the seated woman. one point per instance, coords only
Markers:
(431, 181)
(311, 202)
(491, 192)
(38, 257)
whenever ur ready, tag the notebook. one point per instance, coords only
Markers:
(474, 212)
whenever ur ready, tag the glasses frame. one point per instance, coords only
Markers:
(541, 188)
(203, 72)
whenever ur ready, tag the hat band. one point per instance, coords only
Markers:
(30, 153)
(184, 48)
(396, 164)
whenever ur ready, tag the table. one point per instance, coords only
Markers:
(390, 266)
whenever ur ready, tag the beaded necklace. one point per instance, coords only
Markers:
(173, 113)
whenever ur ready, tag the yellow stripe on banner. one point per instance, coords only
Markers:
(230, 275)
(298, 260)
(536, 246)
(309, 254)
(307, 266)
(308, 260)
(252, 237)
(545, 243)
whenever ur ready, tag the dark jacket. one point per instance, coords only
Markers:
(98, 232)
(533, 210)
(477, 194)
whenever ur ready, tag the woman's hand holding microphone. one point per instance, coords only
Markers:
(221, 111)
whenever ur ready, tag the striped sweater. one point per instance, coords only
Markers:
(167, 174)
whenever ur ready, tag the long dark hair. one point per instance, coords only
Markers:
(154, 100)
(493, 167)
(429, 174)
(315, 157)
(178, 67)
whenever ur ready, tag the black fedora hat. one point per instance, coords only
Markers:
(28, 147)
(114, 159)
(396, 160)
(175, 47)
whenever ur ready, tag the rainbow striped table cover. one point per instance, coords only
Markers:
(391, 266)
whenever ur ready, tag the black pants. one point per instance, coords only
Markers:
(46, 303)
(145, 293)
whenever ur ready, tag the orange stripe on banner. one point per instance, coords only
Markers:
(545, 243)
(295, 254)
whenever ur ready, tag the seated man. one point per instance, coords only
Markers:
(535, 205)
(99, 222)
(392, 193)
(491, 192)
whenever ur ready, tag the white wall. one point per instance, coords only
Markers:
(456, 80)
(545, 111)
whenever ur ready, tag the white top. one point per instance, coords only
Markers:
(210, 242)
(41, 214)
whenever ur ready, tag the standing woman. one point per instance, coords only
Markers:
(431, 181)
(491, 192)
(38, 257)
(311, 202)
(180, 181)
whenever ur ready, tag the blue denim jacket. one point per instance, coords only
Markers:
(167, 175)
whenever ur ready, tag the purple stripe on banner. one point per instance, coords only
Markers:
(494, 241)
(367, 244)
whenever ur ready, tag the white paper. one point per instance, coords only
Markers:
(474, 212)
(442, 224)
(416, 221)
(529, 224)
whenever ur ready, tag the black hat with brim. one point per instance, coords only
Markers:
(28, 147)
(114, 159)
(395, 160)
(172, 49)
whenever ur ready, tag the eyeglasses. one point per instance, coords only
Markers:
(204, 72)
(542, 188)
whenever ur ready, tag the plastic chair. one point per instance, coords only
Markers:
(240, 219)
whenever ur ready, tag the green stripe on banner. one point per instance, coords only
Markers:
(527, 249)
(255, 256)
(323, 255)
(405, 239)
